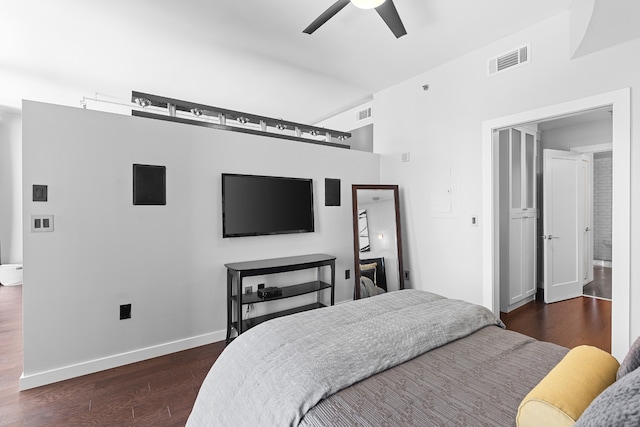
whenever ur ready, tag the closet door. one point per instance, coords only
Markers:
(528, 255)
(530, 215)
(529, 159)
(516, 259)
(515, 171)
(523, 214)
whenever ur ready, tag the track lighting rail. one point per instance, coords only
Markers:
(191, 113)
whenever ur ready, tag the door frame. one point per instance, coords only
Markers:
(620, 103)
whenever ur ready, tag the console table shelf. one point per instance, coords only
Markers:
(249, 323)
(287, 292)
(236, 272)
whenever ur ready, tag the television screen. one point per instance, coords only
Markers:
(256, 205)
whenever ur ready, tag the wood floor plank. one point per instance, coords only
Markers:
(158, 392)
(570, 323)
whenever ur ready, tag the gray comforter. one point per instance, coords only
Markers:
(274, 373)
(476, 381)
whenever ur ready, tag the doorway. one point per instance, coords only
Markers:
(600, 286)
(544, 234)
(619, 102)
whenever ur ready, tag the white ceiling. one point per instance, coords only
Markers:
(248, 55)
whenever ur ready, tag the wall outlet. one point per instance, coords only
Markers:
(125, 311)
(406, 275)
(248, 290)
(347, 274)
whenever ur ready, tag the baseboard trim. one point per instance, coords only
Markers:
(601, 263)
(89, 367)
(519, 304)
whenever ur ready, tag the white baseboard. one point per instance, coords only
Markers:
(518, 304)
(600, 263)
(89, 367)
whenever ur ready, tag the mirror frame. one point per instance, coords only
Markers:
(356, 242)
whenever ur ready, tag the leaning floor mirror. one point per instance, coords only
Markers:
(377, 241)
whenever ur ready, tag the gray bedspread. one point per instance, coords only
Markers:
(274, 373)
(475, 381)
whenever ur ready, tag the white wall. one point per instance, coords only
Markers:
(443, 126)
(347, 119)
(361, 131)
(10, 186)
(167, 261)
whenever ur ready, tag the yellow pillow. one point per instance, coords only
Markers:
(563, 395)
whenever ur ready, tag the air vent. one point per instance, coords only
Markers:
(363, 114)
(509, 60)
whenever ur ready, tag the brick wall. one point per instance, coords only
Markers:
(602, 185)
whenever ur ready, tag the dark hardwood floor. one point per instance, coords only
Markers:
(156, 392)
(161, 391)
(570, 323)
(600, 287)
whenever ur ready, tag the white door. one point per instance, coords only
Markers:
(588, 218)
(563, 224)
(529, 282)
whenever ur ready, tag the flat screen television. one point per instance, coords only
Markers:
(255, 205)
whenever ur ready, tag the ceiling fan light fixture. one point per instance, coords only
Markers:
(367, 4)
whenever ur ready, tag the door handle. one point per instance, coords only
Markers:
(549, 237)
(588, 229)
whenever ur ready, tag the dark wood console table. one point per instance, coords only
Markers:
(237, 271)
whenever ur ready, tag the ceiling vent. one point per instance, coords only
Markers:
(509, 60)
(363, 114)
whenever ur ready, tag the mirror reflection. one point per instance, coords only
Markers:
(377, 240)
(363, 231)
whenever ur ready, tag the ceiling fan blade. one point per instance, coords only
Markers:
(389, 14)
(326, 15)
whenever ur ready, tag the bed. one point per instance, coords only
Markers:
(407, 358)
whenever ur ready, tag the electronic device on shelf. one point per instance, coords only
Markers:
(270, 292)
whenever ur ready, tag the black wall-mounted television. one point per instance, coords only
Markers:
(255, 205)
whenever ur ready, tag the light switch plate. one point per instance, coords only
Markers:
(41, 223)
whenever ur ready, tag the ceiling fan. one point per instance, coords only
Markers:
(385, 8)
